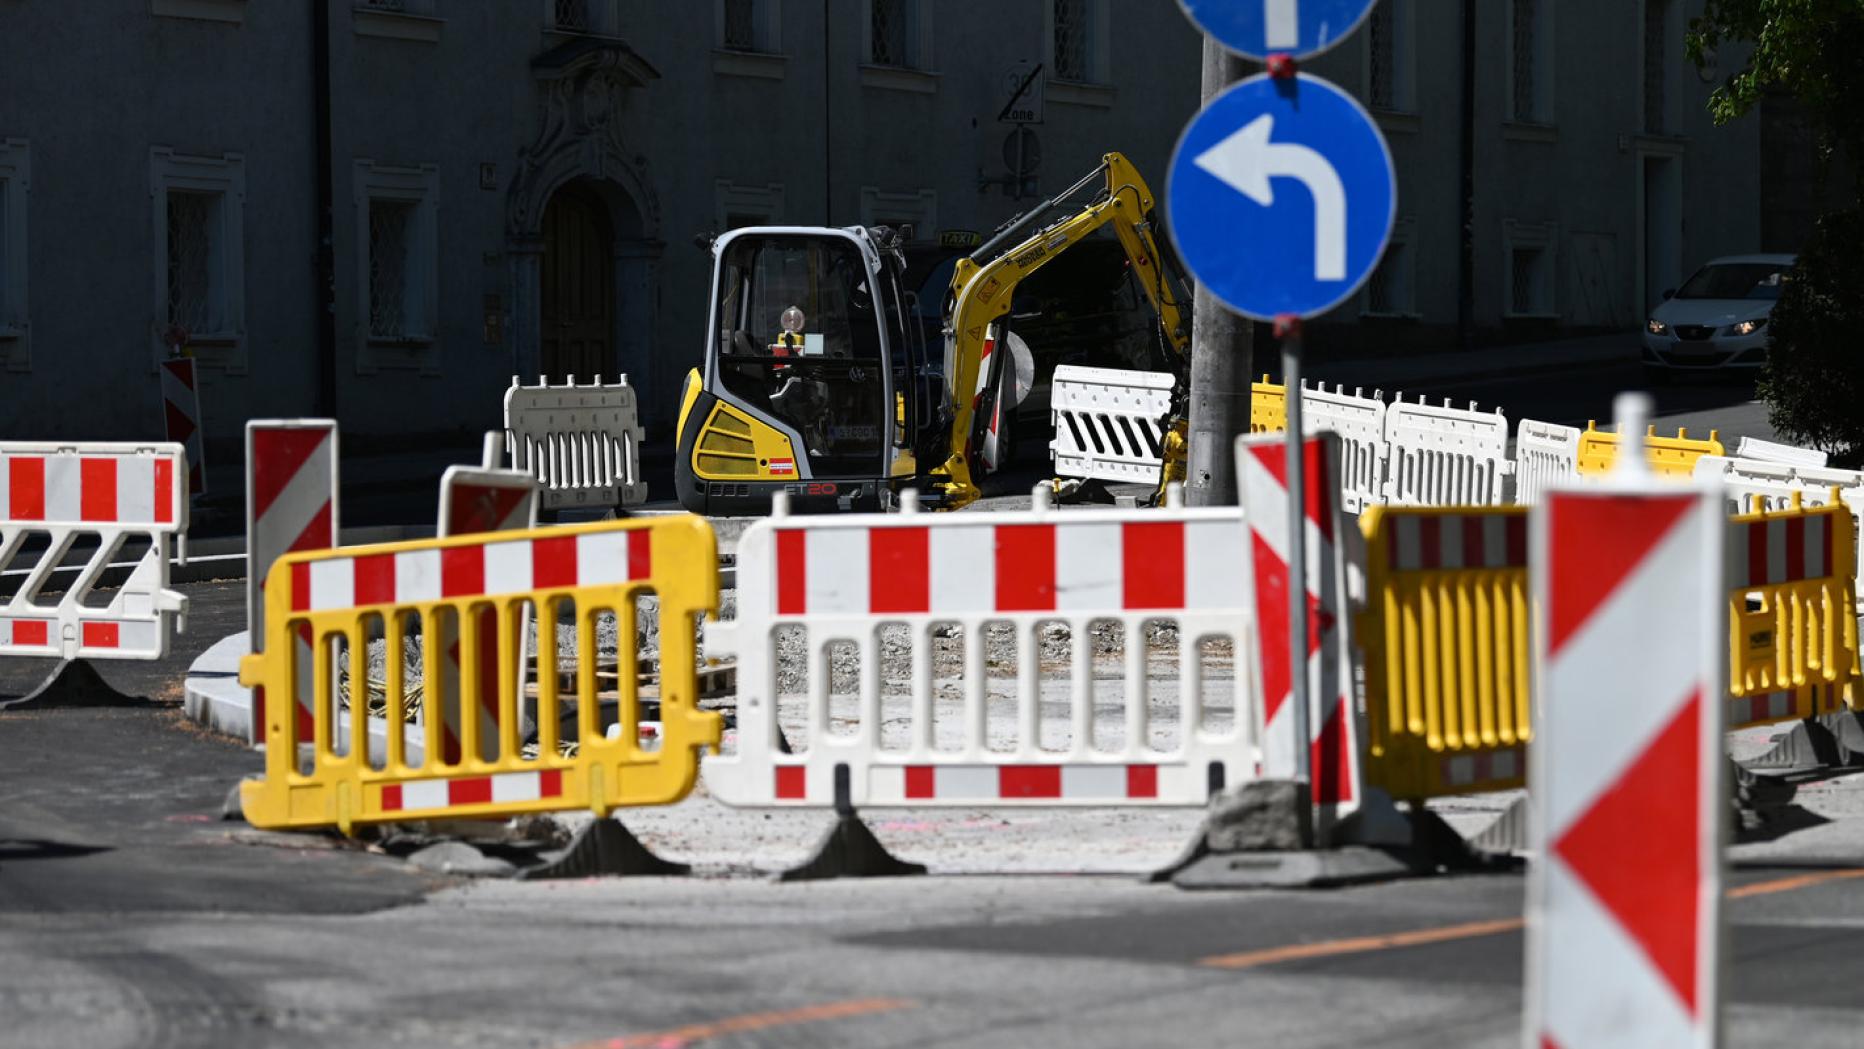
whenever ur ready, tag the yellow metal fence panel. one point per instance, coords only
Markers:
(1268, 407)
(1792, 646)
(1447, 647)
(465, 601)
(1669, 456)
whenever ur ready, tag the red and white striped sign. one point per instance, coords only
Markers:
(1431, 542)
(472, 502)
(784, 467)
(181, 416)
(291, 506)
(1624, 901)
(73, 487)
(977, 566)
(1788, 549)
(986, 784)
(366, 579)
(1333, 719)
(429, 794)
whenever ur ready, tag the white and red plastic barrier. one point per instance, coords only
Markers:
(1627, 778)
(291, 505)
(844, 578)
(55, 498)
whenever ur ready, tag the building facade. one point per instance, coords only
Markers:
(385, 209)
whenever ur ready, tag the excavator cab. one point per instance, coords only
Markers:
(815, 379)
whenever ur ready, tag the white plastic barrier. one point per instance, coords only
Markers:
(582, 443)
(1364, 451)
(1773, 452)
(1444, 456)
(961, 579)
(1109, 423)
(1545, 453)
(59, 498)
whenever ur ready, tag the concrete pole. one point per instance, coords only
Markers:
(1220, 342)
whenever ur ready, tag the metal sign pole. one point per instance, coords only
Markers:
(1288, 331)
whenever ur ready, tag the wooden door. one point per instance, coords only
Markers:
(578, 288)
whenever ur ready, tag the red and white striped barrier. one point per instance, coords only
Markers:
(472, 501)
(1624, 899)
(1781, 550)
(1450, 541)
(1334, 720)
(181, 416)
(55, 498)
(291, 505)
(843, 579)
(491, 569)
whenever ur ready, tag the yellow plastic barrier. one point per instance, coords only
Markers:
(1268, 407)
(1669, 456)
(1447, 649)
(1796, 654)
(467, 599)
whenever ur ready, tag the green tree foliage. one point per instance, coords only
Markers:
(1812, 49)
(1814, 380)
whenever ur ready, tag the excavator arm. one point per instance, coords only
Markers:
(983, 285)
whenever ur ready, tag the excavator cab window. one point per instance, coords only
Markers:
(799, 330)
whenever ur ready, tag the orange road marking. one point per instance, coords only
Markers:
(1419, 937)
(676, 1037)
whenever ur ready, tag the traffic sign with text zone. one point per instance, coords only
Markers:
(1626, 771)
(291, 507)
(1334, 719)
(472, 501)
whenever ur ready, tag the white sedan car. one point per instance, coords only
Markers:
(1718, 318)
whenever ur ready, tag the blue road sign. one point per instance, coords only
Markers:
(1259, 28)
(1281, 196)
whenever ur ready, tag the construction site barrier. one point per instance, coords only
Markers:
(1669, 456)
(81, 504)
(1109, 423)
(1749, 484)
(1364, 450)
(1445, 456)
(898, 588)
(181, 417)
(361, 597)
(1268, 407)
(582, 443)
(1545, 453)
(1794, 655)
(292, 504)
(1446, 641)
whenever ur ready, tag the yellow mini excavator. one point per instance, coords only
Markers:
(819, 381)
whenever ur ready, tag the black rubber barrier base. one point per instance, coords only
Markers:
(850, 850)
(73, 683)
(1829, 741)
(603, 848)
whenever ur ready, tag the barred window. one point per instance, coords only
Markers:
(1527, 279)
(748, 25)
(1656, 66)
(1530, 65)
(1078, 41)
(1388, 290)
(895, 36)
(601, 17)
(391, 238)
(195, 241)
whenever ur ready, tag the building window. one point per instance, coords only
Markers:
(738, 206)
(200, 281)
(899, 33)
(1391, 290)
(749, 25)
(592, 17)
(1656, 66)
(15, 185)
(914, 213)
(1391, 64)
(1530, 61)
(1530, 291)
(397, 265)
(1077, 41)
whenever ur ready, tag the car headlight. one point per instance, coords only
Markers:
(1656, 327)
(1748, 327)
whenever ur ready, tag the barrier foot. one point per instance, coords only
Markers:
(603, 848)
(1508, 834)
(850, 850)
(1829, 741)
(73, 683)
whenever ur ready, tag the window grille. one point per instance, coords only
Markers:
(741, 25)
(891, 33)
(1527, 281)
(191, 249)
(1074, 41)
(1381, 35)
(1526, 93)
(391, 236)
(1382, 291)
(1656, 21)
(575, 16)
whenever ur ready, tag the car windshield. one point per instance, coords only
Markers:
(1735, 280)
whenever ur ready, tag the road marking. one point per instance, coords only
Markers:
(681, 1036)
(1470, 930)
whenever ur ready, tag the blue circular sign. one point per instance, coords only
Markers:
(1260, 28)
(1281, 196)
